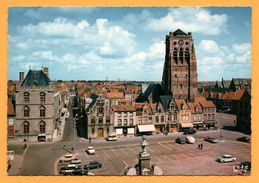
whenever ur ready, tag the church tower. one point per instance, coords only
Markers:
(180, 67)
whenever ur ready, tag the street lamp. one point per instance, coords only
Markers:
(220, 131)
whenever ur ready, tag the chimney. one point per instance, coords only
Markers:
(21, 76)
(46, 70)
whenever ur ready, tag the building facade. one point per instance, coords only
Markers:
(180, 67)
(37, 107)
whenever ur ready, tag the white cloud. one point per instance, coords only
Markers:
(190, 19)
(242, 48)
(209, 46)
(22, 45)
(46, 55)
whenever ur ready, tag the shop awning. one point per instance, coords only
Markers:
(42, 135)
(197, 122)
(186, 125)
(146, 128)
(210, 122)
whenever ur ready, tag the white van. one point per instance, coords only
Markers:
(190, 139)
(112, 137)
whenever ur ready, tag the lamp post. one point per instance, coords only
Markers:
(220, 131)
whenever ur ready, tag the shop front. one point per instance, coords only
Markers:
(146, 129)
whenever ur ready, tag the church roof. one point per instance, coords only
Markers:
(36, 78)
(179, 32)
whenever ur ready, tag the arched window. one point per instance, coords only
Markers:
(26, 97)
(42, 97)
(93, 120)
(26, 111)
(125, 122)
(130, 122)
(100, 119)
(42, 127)
(26, 127)
(42, 111)
(119, 122)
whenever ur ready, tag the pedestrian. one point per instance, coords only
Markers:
(90, 140)
(198, 146)
(201, 146)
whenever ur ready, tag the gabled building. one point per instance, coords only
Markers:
(37, 107)
(184, 115)
(170, 110)
(99, 117)
(124, 117)
(239, 103)
(197, 114)
(209, 112)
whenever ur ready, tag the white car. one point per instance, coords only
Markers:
(76, 161)
(190, 139)
(90, 150)
(226, 158)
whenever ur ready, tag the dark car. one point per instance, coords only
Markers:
(246, 165)
(244, 139)
(180, 140)
(78, 171)
(210, 139)
(189, 131)
(92, 165)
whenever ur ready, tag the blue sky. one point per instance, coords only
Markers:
(126, 43)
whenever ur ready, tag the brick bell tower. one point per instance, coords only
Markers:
(180, 67)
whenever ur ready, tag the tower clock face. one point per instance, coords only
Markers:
(180, 42)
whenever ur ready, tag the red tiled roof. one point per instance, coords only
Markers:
(115, 95)
(179, 102)
(205, 94)
(228, 96)
(199, 99)
(238, 94)
(123, 108)
(192, 106)
(207, 104)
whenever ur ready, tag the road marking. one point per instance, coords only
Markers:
(124, 162)
(25, 150)
(104, 152)
(164, 146)
(123, 151)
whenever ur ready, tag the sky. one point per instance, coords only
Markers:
(82, 43)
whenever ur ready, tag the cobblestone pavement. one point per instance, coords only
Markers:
(173, 158)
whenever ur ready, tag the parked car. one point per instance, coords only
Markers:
(244, 139)
(92, 165)
(189, 131)
(78, 171)
(76, 161)
(90, 150)
(226, 158)
(245, 165)
(210, 139)
(189, 140)
(180, 140)
(67, 158)
(69, 169)
(112, 137)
